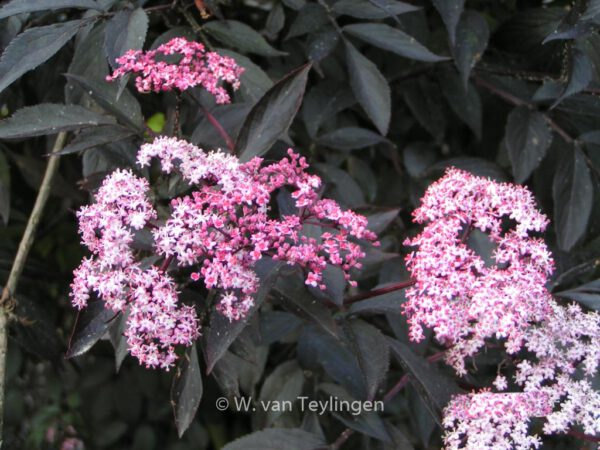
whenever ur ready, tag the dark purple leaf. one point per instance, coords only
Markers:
(271, 117)
(186, 391)
(277, 439)
(14, 7)
(118, 340)
(581, 73)
(310, 18)
(350, 138)
(275, 21)
(379, 221)
(373, 354)
(94, 137)
(392, 39)
(321, 44)
(425, 102)
(283, 384)
(241, 37)
(296, 298)
(466, 104)
(124, 106)
(336, 358)
(372, 9)
(49, 118)
(125, 31)
(91, 325)
(587, 294)
(33, 47)
(434, 388)
(528, 137)
(472, 35)
(450, 10)
(573, 195)
(222, 332)
(370, 88)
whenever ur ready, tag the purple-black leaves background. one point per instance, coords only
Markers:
(381, 96)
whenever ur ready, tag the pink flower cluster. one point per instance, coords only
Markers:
(467, 303)
(464, 301)
(195, 68)
(566, 346)
(220, 230)
(225, 228)
(557, 384)
(493, 421)
(156, 322)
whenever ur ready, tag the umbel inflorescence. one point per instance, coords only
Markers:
(220, 230)
(195, 67)
(555, 349)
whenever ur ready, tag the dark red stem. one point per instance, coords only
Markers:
(583, 436)
(380, 291)
(401, 384)
(166, 263)
(177, 114)
(320, 224)
(215, 123)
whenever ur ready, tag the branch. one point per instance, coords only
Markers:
(159, 8)
(331, 17)
(166, 263)
(527, 76)
(555, 126)
(380, 291)
(507, 96)
(401, 384)
(196, 27)
(7, 299)
(215, 123)
(583, 436)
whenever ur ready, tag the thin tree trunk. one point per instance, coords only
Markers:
(7, 299)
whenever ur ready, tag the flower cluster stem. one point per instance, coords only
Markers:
(7, 299)
(215, 123)
(380, 291)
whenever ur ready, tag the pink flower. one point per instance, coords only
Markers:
(566, 346)
(467, 303)
(156, 323)
(486, 420)
(220, 230)
(224, 225)
(464, 301)
(196, 67)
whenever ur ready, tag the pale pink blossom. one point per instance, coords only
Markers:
(486, 420)
(566, 346)
(156, 323)
(556, 348)
(464, 301)
(558, 377)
